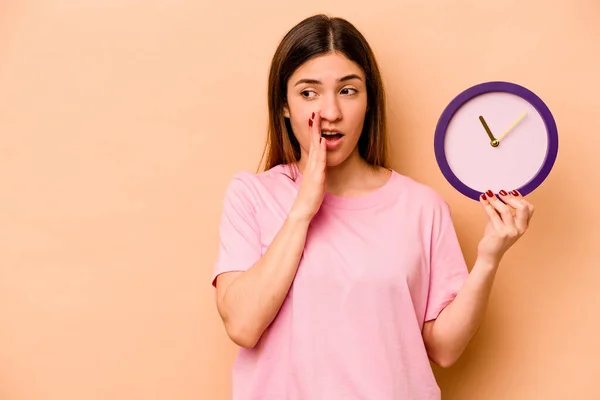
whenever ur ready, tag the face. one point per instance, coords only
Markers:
(334, 86)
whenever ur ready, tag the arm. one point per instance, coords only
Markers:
(447, 336)
(249, 301)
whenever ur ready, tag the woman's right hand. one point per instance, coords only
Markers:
(312, 188)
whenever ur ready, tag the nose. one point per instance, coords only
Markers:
(330, 109)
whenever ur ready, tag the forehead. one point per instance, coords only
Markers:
(327, 68)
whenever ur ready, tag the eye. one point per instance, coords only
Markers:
(307, 93)
(349, 91)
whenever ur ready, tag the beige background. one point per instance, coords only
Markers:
(121, 122)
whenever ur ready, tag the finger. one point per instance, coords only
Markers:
(312, 145)
(314, 156)
(311, 157)
(491, 212)
(521, 210)
(314, 142)
(315, 129)
(502, 209)
(322, 154)
(517, 194)
(531, 208)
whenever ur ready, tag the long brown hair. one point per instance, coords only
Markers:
(312, 37)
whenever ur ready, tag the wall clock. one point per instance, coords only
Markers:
(494, 136)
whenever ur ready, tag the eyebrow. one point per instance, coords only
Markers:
(318, 82)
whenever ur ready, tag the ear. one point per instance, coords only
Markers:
(286, 111)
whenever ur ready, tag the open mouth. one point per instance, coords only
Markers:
(331, 135)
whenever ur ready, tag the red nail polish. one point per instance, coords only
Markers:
(483, 196)
(489, 193)
(515, 193)
(313, 115)
(503, 192)
(310, 123)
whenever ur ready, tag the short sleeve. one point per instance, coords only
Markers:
(448, 269)
(239, 236)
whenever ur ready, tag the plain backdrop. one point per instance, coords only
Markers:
(121, 123)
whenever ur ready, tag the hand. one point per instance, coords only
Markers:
(312, 189)
(507, 223)
(510, 128)
(493, 141)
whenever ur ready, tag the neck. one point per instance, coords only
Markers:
(346, 176)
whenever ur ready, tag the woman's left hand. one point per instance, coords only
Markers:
(508, 221)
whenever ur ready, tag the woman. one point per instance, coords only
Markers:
(339, 277)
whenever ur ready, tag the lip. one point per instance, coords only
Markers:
(332, 144)
(323, 129)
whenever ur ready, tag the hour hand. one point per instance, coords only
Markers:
(493, 141)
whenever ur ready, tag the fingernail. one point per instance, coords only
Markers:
(313, 115)
(503, 192)
(310, 123)
(483, 196)
(489, 193)
(515, 193)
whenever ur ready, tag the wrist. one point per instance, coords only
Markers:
(488, 263)
(297, 217)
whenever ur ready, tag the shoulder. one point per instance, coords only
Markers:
(418, 192)
(245, 179)
(252, 186)
(425, 203)
(420, 199)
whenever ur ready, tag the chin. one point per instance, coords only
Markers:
(335, 159)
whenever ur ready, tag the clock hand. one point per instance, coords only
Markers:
(510, 128)
(494, 142)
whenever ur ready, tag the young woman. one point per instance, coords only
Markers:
(339, 277)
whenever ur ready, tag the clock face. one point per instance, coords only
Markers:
(494, 136)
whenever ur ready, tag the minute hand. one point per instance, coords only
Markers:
(510, 128)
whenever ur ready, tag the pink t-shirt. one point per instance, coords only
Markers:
(374, 269)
